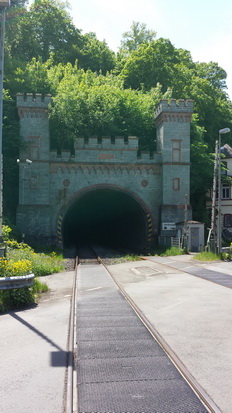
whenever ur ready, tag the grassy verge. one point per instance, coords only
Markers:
(207, 256)
(126, 258)
(162, 252)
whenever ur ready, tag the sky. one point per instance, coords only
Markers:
(204, 27)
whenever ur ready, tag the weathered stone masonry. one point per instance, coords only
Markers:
(51, 183)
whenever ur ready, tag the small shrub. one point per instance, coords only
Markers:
(10, 268)
(16, 298)
(126, 258)
(39, 287)
(19, 298)
(12, 245)
(41, 264)
(45, 265)
(22, 260)
(6, 230)
(226, 256)
(172, 252)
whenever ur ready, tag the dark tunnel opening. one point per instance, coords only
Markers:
(107, 217)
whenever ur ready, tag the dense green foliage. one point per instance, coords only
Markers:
(91, 104)
(98, 92)
(40, 264)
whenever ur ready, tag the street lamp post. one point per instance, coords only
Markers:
(219, 225)
(3, 5)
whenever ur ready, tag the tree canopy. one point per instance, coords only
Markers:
(90, 104)
(138, 34)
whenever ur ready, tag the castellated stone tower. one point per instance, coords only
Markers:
(173, 142)
(33, 215)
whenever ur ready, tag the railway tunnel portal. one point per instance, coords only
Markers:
(108, 216)
(103, 190)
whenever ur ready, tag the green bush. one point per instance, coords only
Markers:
(22, 260)
(41, 264)
(45, 265)
(172, 251)
(10, 268)
(226, 256)
(39, 287)
(12, 244)
(18, 298)
(6, 230)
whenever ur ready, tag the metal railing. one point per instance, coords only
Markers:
(9, 283)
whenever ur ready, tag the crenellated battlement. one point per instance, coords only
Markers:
(105, 155)
(107, 142)
(31, 100)
(174, 106)
(149, 157)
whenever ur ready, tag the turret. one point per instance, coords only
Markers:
(173, 142)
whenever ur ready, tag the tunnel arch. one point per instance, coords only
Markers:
(106, 214)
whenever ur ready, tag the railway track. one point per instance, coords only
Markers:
(89, 256)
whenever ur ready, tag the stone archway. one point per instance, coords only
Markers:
(106, 214)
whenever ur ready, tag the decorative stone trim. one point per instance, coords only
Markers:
(63, 168)
(174, 117)
(33, 112)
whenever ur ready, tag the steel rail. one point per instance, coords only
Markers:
(196, 387)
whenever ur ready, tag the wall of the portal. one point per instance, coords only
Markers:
(67, 184)
(53, 181)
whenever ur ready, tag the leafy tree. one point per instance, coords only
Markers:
(138, 35)
(212, 72)
(96, 55)
(46, 28)
(10, 154)
(201, 166)
(88, 104)
(33, 77)
(46, 31)
(213, 108)
(18, 3)
(151, 64)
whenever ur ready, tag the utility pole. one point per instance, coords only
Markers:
(185, 243)
(211, 244)
(219, 220)
(3, 5)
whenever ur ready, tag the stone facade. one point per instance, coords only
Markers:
(50, 185)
